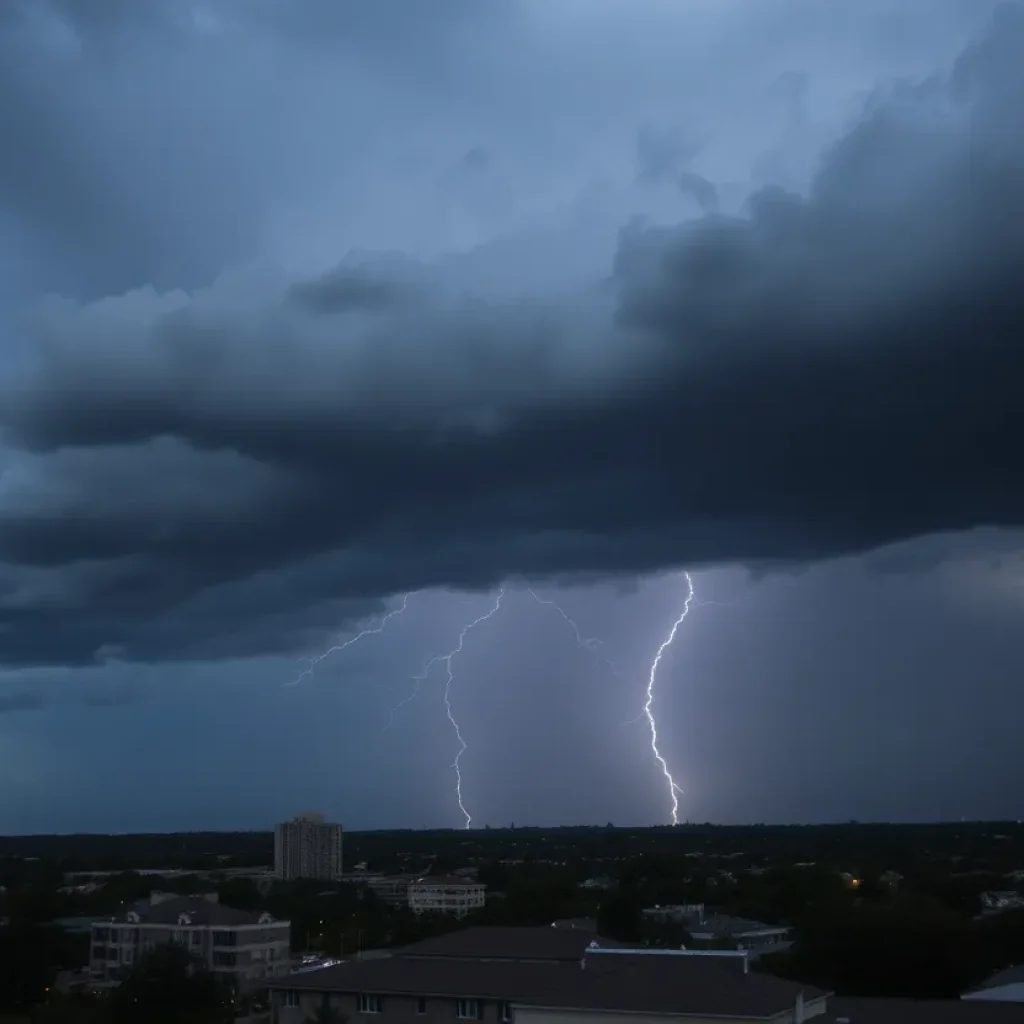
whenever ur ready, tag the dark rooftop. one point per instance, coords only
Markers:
(725, 925)
(493, 943)
(199, 910)
(449, 881)
(921, 1011)
(661, 982)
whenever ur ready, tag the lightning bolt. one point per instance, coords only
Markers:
(673, 789)
(591, 645)
(307, 672)
(417, 682)
(447, 659)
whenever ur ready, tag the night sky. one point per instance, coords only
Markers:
(306, 306)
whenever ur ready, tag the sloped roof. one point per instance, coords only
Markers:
(199, 911)
(920, 1011)
(489, 942)
(642, 983)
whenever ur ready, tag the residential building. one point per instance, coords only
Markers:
(523, 977)
(392, 889)
(718, 930)
(446, 895)
(246, 949)
(549, 976)
(308, 847)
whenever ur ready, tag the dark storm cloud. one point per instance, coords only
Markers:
(822, 375)
(661, 155)
(790, 90)
(28, 700)
(116, 697)
(700, 189)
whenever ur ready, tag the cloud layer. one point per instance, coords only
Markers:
(218, 471)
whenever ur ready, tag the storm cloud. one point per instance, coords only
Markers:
(211, 469)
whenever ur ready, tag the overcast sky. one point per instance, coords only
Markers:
(307, 305)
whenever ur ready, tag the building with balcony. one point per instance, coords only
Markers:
(446, 895)
(246, 950)
(308, 847)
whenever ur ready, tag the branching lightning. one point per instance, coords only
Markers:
(674, 790)
(418, 680)
(447, 659)
(379, 628)
(591, 645)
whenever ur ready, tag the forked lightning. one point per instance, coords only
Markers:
(379, 628)
(674, 790)
(447, 659)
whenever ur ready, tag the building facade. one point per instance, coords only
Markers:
(247, 950)
(446, 895)
(308, 847)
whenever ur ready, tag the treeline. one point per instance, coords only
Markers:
(994, 846)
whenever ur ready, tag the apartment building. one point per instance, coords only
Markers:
(446, 895)
(544, 976)
(245, 949)
(564, 976)
(308, 847)
(716, 930)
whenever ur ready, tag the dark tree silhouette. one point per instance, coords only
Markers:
(169, 986)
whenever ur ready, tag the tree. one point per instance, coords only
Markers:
(169, 986)
(620, 917)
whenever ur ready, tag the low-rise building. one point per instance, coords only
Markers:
(392, 889)
(709, 930)
(248, 950)
(446, 895)
(556, 976)
(599, 985)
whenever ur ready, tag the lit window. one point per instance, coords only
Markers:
(369, 1004)
(468, 1009)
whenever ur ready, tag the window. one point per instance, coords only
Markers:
(291, 1000)
(506, 1013)
(369, 1004)
(421, 1005)
(467, 1009)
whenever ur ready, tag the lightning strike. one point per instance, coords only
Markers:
(307, 672)
(591, 645)
(673, 789)
(447, 659)
(418, 681)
